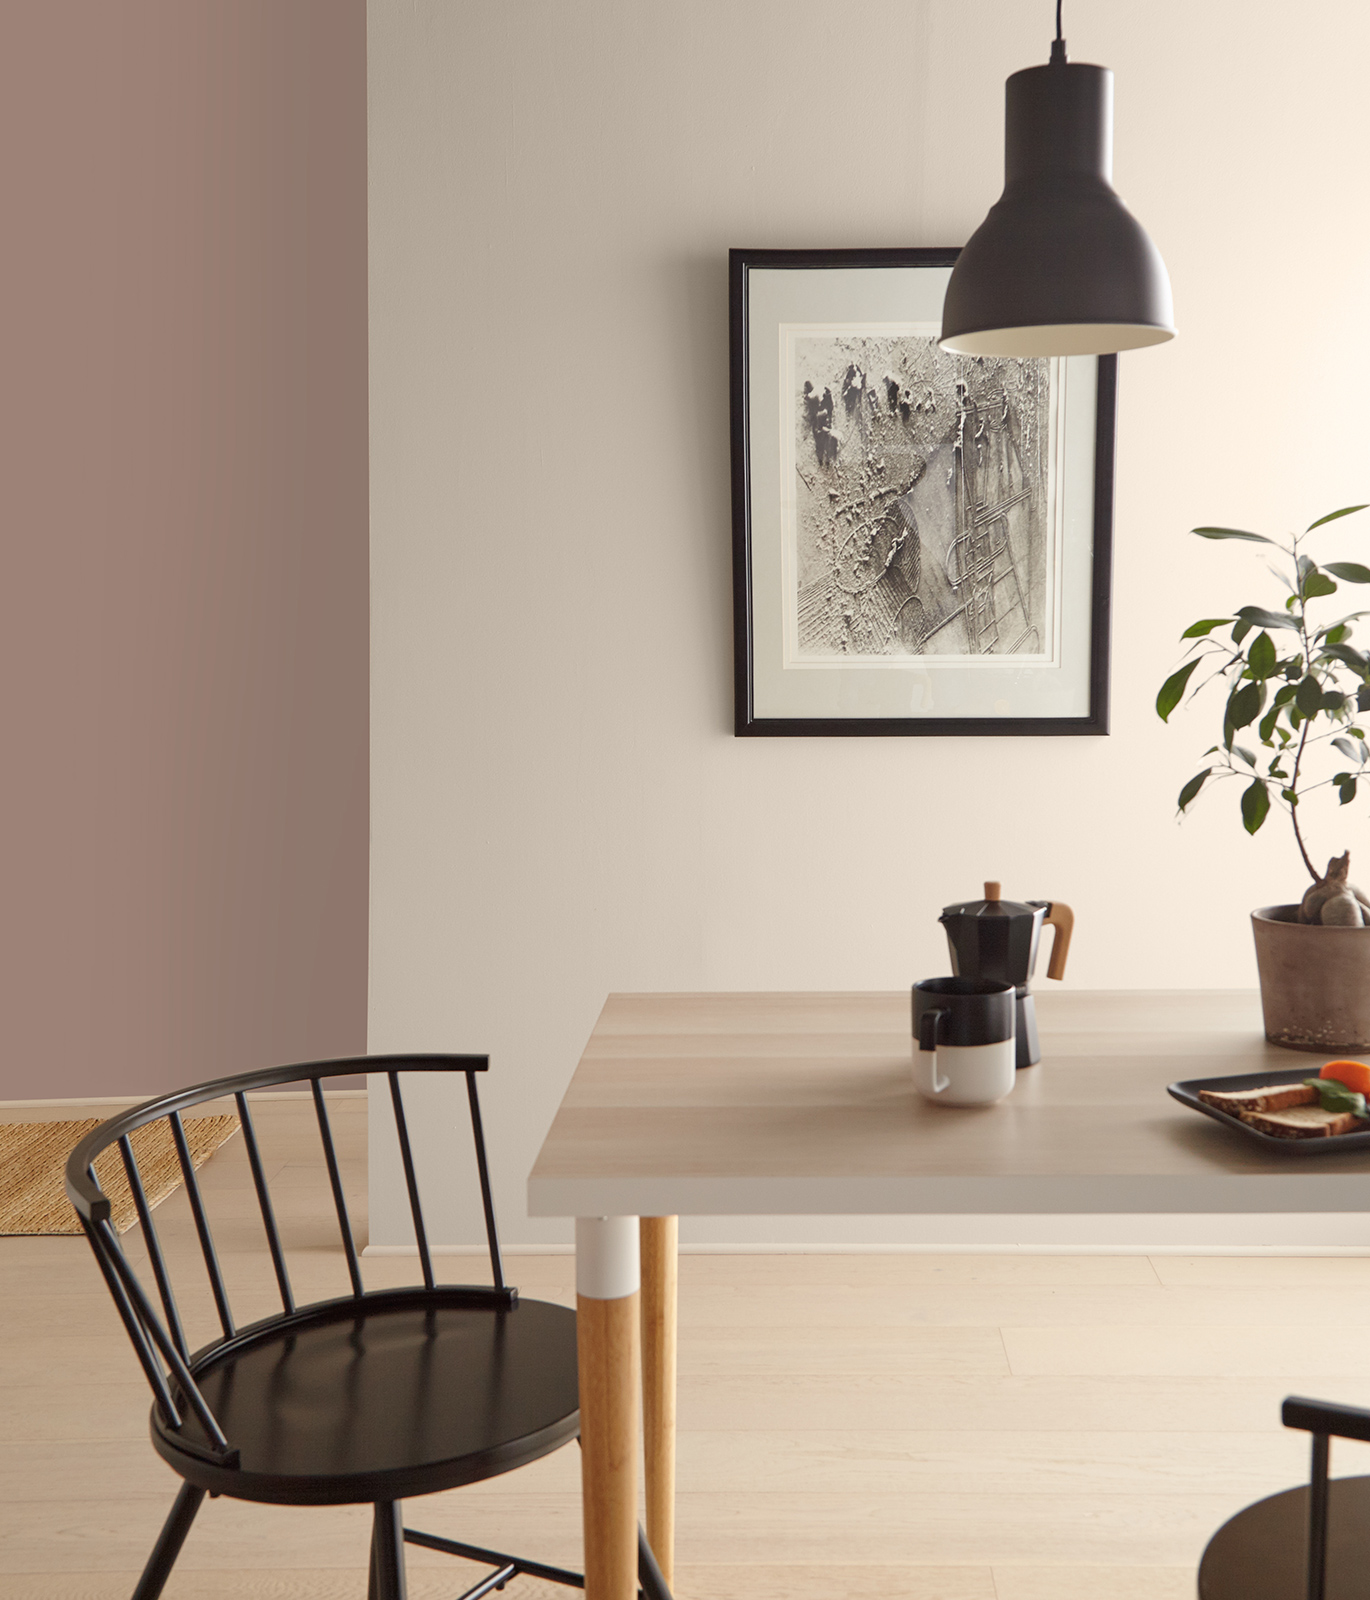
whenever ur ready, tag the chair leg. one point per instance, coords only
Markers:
(387, 1552)
(169, 1542)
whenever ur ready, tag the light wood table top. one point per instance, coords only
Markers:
(803, 1104)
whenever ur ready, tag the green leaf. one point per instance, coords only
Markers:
(1276, 770)
(1244, 705)
(1308, 696)
(1363, 697)
(1246, 755)
(1255, 805)
(1259, 617)
(1172, 691)
(1333, 700)
(1351, 616)
(1352, 751)
(1240, 631)
(1317, 584)
(1348, 792)
(1261, 656)
(1190, 791)
(1196, 630)
(1232, 533)
(1350, 655)
(1290, 796)
(1337, 1096)
(1334, 635)
(1330, 517)
(1268, 721)
(1349, 571)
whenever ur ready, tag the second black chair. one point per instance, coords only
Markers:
(1312, 1541)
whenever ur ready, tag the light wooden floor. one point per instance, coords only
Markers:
(898, 1427)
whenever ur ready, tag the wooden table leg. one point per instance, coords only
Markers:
(607, 1278)
(660, 1241)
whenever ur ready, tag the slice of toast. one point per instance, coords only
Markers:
(1273, 1097)
(1303, 1122)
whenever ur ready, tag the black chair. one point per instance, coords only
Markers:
(1307, 1541)
(372, 1398)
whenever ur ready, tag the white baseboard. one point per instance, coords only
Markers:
(787, 1248)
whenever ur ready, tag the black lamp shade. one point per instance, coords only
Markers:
(1060, 266)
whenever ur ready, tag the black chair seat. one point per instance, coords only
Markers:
(443, 1387)
(1262, 1552)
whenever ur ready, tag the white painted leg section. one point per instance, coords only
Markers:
(608, 1257)
(607, 1281)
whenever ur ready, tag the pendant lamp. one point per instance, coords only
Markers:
(1060, 266)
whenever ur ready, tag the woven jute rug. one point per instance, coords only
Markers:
(34, 1154)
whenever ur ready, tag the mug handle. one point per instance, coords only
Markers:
(927, 1040)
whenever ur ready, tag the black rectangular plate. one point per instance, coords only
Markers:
(1187, 1093)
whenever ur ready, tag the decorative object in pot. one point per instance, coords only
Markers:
(1295, 686)
(997, 939)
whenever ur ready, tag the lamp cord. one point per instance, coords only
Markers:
(1058, 44)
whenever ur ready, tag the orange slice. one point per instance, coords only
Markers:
(1354, 1074)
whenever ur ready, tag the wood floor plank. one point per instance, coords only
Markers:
(1338, 1273)
(117, 1532)
(885, 1581)
(1093, 1583)
(913, 1462)
(1320, 1356)
(883, 1272)
(942, 1529)
(1036, 1305)
(424, 1583)
(1106, 1404)
(801, 1349)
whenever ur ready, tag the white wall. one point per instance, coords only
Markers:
(559, 806)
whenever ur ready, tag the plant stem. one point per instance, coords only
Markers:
(1303, 730)
(1294, 810)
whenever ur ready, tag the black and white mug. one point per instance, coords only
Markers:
(963, 1046)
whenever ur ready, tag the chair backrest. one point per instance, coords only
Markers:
(1325, 1421)
(159, 1341)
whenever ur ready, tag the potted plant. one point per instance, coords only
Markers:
(1294, 686)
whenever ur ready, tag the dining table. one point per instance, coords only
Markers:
(803, 1104)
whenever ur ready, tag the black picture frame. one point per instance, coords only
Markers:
(747, 723)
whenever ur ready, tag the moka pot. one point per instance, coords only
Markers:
(997, 939)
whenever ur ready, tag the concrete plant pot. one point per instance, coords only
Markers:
(1315, 982)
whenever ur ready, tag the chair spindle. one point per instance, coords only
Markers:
(410, 1180)
(478, 1134)
(154, 1247)
(197, 1207)
(273, 1238)
(1317, 1517)
(335, 1183)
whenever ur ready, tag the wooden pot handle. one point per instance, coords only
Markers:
(1062, 918)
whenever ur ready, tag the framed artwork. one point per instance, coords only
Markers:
(921, 541)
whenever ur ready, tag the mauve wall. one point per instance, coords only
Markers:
(183, 643)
